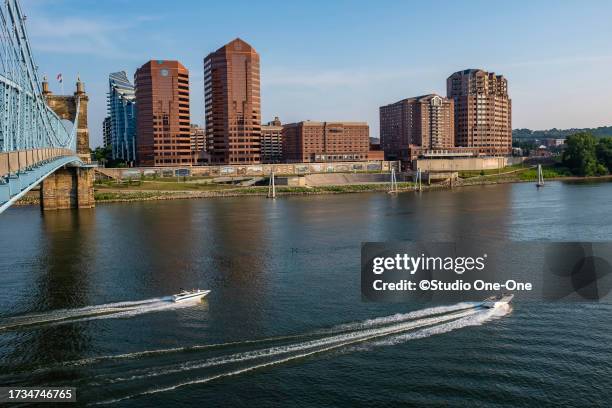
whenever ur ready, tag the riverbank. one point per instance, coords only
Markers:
(127, 193)
(514, 175)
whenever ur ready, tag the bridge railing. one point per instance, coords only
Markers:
(12, 163)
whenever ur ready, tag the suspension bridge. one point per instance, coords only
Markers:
(44, 139)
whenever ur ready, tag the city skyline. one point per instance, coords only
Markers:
(348, 68)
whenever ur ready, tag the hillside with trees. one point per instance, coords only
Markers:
(560, 133)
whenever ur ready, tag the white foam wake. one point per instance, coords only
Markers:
(398, 317)
(105, 311)
(346, 327)
(341, 339)
(476, 319)
(436, 321)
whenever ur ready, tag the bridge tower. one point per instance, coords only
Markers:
(35, 145)
(65, 107)
(70, 187)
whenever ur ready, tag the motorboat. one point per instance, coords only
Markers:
(498, 300)
(190, 295)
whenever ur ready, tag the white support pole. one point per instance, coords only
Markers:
(393, 186)
(420, 180)
(272, 185)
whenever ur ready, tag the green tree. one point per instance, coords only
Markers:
(604, 152)
(104, 155)
(526, 145)
(580, 155)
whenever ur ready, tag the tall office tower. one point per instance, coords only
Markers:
(232, 104)
(162, 95)
(106, 131)
(483, 111)
(308, 141)
(425, 121)
(121, 103)
(272, 142)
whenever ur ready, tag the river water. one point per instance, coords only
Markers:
(84, 303)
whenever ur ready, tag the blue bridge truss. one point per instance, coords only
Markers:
(33, 139)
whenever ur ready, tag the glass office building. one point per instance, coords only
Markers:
(122, 113)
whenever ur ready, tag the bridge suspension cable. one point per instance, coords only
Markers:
(34, 143)
(26, 122)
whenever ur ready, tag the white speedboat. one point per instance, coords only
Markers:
(494, 301)
(190, 295)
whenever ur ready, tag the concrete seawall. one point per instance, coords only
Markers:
(465, 163)
(248, 170)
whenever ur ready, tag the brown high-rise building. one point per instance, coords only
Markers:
(308, 141)
(425, 121)
(162, 96)
(232, 104)
(272, 142)
(483, 111)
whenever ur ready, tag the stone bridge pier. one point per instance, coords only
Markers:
(70, 187)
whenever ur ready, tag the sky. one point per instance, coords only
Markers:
(341, 60)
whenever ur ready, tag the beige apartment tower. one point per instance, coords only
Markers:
(425, 121)
(272, 142)
(483, 111)
(232, 104)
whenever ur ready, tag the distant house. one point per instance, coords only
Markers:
(554, 142)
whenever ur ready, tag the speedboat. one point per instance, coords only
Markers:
(190, 295)
(498, 300)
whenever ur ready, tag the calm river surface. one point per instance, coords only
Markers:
(83, 302)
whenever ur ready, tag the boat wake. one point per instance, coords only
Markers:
(344, 338)
(105, 311)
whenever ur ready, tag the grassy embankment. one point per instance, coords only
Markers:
(150, 188)
(514, 173)
(191, 187)
(171, 190)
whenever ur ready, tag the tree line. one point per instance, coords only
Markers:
(586, 155)
(559, 133)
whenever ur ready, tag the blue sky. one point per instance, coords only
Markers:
(341, 60)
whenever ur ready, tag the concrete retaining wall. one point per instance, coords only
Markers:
(342, 179)
(464, 164)
(248, 170)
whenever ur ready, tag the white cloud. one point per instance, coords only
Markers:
(80, 35)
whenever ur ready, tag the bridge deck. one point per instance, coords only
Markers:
(23, 170)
